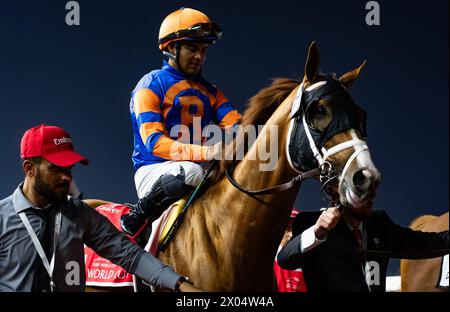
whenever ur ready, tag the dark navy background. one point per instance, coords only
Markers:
(80, 78)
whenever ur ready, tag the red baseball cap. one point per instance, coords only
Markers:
(52, 143)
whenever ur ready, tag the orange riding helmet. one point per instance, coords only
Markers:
(187, 24)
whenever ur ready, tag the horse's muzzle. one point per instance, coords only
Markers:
(361, 188)
(365, 181)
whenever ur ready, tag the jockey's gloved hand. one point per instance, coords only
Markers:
(214, 152)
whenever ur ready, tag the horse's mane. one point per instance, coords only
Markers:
(264, 103)
(260, 107)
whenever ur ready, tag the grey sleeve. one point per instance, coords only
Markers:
(155, 272)
(108, 242)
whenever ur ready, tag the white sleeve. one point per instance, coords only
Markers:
(308, 240)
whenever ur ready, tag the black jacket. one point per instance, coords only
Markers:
(334, 265)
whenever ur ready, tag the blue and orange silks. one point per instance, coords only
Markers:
(164, 99)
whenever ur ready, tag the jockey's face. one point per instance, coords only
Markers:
(50, 182)
(191, 57)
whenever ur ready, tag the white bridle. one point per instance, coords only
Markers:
(322, 155)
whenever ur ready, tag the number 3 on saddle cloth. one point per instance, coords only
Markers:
(100, 271)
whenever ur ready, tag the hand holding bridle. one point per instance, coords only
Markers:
(326, 222)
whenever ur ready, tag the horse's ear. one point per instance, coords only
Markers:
(312, 63)
(349, 78)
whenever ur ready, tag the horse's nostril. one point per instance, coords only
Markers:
(362, 179)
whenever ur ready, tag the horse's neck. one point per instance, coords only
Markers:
(251, 229)
(229, 239)
(258, 174)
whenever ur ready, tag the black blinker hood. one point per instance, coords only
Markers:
(346, 115)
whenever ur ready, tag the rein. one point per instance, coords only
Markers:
(277, 188)
(324, 170)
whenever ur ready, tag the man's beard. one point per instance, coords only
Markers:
(45, 191)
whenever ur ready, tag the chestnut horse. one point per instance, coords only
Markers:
(423, 275)
(229, 239)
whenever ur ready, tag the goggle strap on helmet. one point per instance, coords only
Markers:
(200, 31)
(174, 57)
(169, 55)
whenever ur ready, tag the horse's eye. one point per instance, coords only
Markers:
(320, 111)
(317, 113)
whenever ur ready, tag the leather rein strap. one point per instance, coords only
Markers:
(273, 189)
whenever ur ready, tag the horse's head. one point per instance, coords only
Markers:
(328, 130)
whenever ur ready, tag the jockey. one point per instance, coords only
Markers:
(166, 167)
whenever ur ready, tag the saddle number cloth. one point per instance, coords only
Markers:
(443, 278)
(289, 281)
(100, 271)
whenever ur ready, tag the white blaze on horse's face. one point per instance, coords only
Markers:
(359, 178)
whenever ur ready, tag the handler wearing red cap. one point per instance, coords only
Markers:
(42, 232)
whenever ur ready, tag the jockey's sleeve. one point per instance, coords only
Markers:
(154, 134)
(101, 235)
(225, 113)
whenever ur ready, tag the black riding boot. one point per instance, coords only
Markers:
(167, 190)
